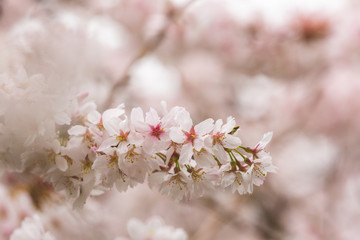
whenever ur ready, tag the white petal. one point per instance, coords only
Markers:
(122, 148)
(204, 127)
(230, 124)
(87, 108)
(205, 159)
(171, 118)
(135, 138)
(123, 125)
(192, 163)
(152, 117)
(155, 179)
(149, 146)
(136, 229)
(113, 112)
(227, 179)
(94, 117)
(231, 142)
(220, 153)
(109, 142)
(218, 124)
(141, 127)
(184, 120)
(225, 168)
(56, 146)
(208, 141)
(112, 127)
(198, 144)
(85, 189)
(179, 234)
(61, 163)
(186, 153)
(168, 154)
(155, 222)
(110, 119)
(177, 135)
(137, 115)
(77, 130)
(265, 140)
(62, 118)
(100, 163)
(121, 185)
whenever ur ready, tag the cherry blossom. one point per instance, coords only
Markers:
(153, 229)
(31, 229)
(191, 137)
(182, 160)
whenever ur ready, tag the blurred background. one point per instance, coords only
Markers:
(291, 67)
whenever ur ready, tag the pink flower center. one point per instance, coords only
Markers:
(190, 136)
(157, 131)
(218, 137)
(123, 136)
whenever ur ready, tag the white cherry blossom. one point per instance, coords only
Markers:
(32, 229)
(153, 229)
(221, 139)
(183, 160)
(191, 137)
(154, 129)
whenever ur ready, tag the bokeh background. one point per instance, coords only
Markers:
(291, 67)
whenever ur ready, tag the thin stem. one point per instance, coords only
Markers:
(229, 152)
(244, 148)
(240, 154)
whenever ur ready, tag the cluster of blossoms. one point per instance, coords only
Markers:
(182, 160)
(32, 228)
(154, 229)
(82, 151)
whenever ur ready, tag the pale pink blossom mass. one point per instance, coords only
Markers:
(179, 119)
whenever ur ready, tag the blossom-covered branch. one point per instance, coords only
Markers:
(81, 150)
(32, 228)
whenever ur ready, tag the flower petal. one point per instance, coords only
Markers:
(61, 163)
(137, 115)
(230, 124)
(184, 120)
(198, 144)
(62, 118)
(152, 117)
(94, 117)
(113, 113)
(177, 135)
(218, 124)
(220, 153)
(77, 130)
(186, 153)
(265, 140)
(227, 179)
(231, 142)
(204, 127)
(109, 142)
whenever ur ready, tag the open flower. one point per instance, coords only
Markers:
(154, 129)
(154, 229)
(32, 229)
(260, 163)
(233, 179)
(191, 137)
(221, 139)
